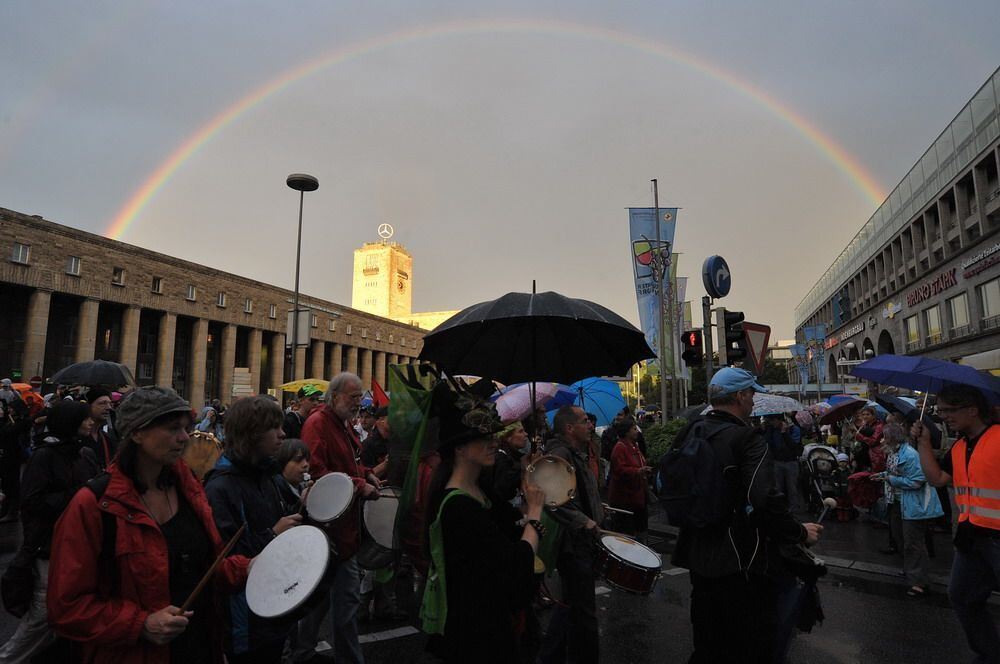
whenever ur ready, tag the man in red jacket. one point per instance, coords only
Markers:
(334, 447)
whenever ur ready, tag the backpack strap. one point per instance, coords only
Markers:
(109, 530)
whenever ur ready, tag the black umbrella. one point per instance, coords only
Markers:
(94, 372)
(546, 336)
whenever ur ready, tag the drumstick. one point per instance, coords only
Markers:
(828, 503)
(211, 570)
(615, 509)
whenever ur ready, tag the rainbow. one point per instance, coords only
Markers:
(837, 155)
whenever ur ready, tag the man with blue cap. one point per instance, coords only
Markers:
(731, 540)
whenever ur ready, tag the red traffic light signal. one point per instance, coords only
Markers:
(693, 352)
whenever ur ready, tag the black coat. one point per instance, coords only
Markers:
(241, 493)
(757, 532)
(56, 470)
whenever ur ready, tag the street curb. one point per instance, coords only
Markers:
(670, 532)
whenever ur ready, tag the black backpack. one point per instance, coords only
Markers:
(697, 479)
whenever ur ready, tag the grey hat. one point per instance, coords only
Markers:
(146, 404)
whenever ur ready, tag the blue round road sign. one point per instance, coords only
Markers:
(716, 277)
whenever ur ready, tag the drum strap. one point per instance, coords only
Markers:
(434, 609)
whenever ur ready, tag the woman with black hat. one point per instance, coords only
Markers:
(482, 572)
(131, 547)
(60, 465)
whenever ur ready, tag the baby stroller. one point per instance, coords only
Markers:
(822, 475)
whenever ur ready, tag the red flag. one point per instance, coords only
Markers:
(379, 397)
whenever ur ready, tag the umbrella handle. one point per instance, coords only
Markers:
(923, 406)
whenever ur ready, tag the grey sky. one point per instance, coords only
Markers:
(499, 157)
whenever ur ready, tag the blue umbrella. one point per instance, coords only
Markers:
(926, 374)
(599, 396)
(910, 411)
(838, 399)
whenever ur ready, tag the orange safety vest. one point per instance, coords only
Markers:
(977, 488)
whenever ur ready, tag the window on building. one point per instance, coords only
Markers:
(958, 309)
(932, 317)
(248, 306)
(21, 253)
(118, 276)
(313, 320)
(157, 285)
(347, 330)
(390, 337)
(912, 332)
(272, 311)
(364, 333)
(378, 335)
(192, 293)
(221, 300)
(333, 325)
(989, 295)
(73, 266)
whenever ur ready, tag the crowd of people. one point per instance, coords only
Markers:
(119, 533)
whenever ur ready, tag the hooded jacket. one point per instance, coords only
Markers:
(105, 607)
(53, 474)
(241, 492)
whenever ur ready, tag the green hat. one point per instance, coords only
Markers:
(310, 392)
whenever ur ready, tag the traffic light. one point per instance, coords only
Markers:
(736, 345)
(693, 352)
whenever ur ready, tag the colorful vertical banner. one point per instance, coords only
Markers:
(801, 358)
(815, 335)
(650, 255)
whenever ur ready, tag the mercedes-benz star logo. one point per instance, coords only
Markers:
(385, 231)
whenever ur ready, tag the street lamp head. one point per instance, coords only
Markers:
(302, 182)
(869, 352)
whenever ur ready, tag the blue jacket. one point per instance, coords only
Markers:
(244, 493)
(917, 498)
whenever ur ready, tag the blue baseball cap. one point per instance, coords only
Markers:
(730, 379)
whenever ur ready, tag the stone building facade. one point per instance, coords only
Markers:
(68, 296)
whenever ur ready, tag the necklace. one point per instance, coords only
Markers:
(170, 507)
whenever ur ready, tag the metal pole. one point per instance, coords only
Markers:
(295, 313)
(659, 292)
(706, 313)
(675, 389)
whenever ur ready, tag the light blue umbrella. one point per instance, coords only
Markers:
(599, 396)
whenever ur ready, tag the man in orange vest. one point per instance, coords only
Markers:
(973, 468)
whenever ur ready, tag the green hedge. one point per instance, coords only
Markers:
(660, 437)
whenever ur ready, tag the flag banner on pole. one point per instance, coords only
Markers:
(409, 413)
(801, 357)
(648, 257)
(815, 335)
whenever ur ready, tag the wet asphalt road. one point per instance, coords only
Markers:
(869, 620)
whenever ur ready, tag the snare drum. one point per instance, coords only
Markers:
(556, 477)
(291, 569)
(377, 525)
(329, 497)
(627, 564)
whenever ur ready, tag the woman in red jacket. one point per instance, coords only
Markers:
(124, 559)
(629, 478)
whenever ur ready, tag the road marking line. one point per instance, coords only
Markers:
(388, 634)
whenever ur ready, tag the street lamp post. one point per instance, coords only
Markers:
(301, 183)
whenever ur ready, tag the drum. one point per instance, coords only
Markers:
(627, 564)
(290, 570)
(329, 497)
(377, 525)
(556, 477)
(202, 451)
